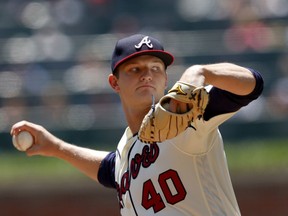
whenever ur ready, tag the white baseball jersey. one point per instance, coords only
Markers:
(187, 175)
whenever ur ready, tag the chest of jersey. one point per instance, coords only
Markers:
(161, 180)
(187, 175)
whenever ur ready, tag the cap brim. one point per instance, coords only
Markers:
(166, 57)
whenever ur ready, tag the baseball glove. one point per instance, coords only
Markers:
(160, 124)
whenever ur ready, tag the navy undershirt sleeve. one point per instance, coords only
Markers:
(221, 102)
(106, 173)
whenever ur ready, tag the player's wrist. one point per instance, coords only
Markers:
(194, 75)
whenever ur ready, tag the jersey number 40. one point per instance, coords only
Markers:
(172, 189)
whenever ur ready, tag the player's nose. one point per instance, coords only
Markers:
(146, 75)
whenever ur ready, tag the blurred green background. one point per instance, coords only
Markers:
(55, 59)
(244, 158)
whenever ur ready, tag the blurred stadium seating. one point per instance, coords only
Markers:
(54, 59)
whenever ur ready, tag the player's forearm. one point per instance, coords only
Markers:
(46, 144)
(84, 159)
(226, 76)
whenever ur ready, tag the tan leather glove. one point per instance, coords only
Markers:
(160, 124)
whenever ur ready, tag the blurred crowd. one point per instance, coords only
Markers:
(54, 54)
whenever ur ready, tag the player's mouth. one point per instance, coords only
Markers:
(146, 86)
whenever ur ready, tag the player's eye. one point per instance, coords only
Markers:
(135, 69)
(155, 68)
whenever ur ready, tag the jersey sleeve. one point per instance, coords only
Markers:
(106, 173)
(222, 102)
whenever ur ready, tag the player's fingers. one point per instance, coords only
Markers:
(182, 108)
(34, 150)
(23, 125)
(16, 128)
(179, 107)
(173, 106)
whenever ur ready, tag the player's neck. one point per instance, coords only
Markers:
(134, 118)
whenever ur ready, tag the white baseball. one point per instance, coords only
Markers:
(23, 140)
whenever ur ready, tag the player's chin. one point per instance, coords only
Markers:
(149, 96)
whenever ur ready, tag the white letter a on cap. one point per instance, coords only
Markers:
(146, 41)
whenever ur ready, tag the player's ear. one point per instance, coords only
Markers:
(113, 81)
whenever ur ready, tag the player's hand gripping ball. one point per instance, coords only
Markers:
(23, 141)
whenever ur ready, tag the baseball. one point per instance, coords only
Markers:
(22, 141)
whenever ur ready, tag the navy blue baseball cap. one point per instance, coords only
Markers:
(137, 45)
